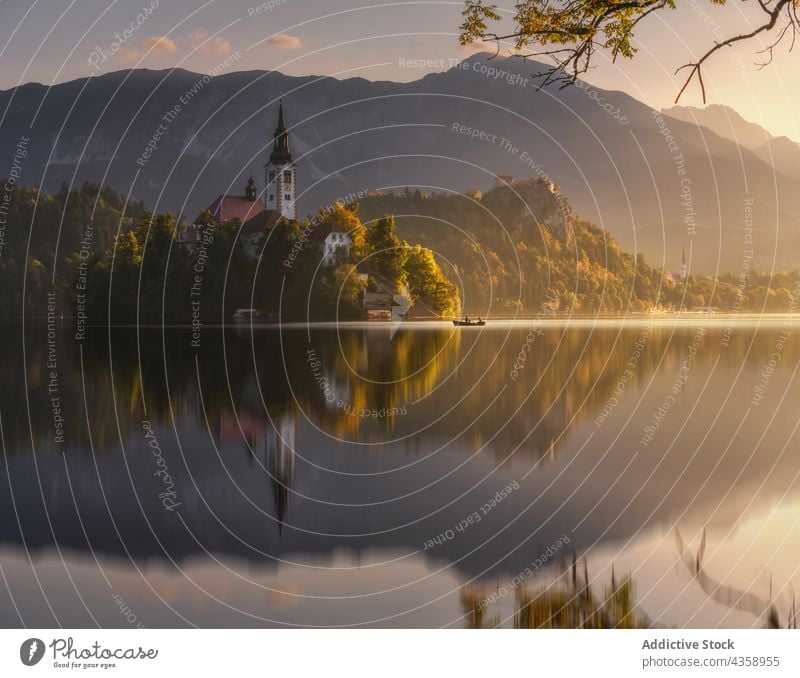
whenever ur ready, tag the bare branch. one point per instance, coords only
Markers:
(572, 30)
(696, 67)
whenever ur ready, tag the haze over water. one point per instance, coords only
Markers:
(328, 477)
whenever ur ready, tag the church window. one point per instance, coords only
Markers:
(271, 197)
(287, 176)
(288, 196)
(271, 176)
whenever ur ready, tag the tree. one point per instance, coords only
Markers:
(155, 234)
(338, 296)
(122, 282)
(571, 31)
(427, 283)
(387, 255)
(278, 273)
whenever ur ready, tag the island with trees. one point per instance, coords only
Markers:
(513, 251)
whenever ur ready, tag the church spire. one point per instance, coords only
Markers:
(281, 120)
(281, 155)
(250, 191)
(280, 173)
(684, 274)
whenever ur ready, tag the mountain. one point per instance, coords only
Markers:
(779, 152)
(178, 139)
(724, 121)
(783, 154)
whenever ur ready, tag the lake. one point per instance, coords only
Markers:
(640, 472)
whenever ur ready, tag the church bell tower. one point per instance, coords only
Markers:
(280, 173)
(250, 192)
(684, 274)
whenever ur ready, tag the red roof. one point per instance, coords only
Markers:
(261, 222)
(227, 207)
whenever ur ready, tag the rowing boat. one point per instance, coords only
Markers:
(469, 323)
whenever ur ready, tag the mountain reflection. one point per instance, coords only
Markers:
(287, 444)
(496, 388)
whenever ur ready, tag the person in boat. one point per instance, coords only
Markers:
(479, 320)
(466, 319)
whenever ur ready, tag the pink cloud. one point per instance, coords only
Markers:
(199, 39)
(160, 43)
(284, 41)
(196, 37)
(127, 55)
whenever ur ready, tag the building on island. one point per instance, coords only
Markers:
(684, 272)
(681, 276)
(257, 215)
(255, 227)
(224, 208)
(379, 305)
(280, 172)
(335, 242)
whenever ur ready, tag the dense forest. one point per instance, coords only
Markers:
(519, 249)
(42, 233)
(117, 263)
(515, 249)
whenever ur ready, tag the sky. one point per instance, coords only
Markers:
(51, 41)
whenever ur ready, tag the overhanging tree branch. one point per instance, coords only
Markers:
(571, 31)
(773, 15)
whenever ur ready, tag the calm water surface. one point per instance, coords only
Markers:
(413, 476)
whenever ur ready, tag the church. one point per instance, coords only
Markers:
(259, 214)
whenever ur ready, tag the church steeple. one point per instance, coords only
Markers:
(684, 268)
(281, 155)
(280, 173)
(250, 191)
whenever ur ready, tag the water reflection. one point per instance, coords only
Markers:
(569, 601)
(299, 455)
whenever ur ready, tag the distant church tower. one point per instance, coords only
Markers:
(250, 192)
(684, 267)
(280, 173)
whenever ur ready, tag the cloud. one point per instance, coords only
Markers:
(159, 43)
(127, 55)
(284, 41)
(198, 39)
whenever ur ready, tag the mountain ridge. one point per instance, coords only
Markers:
(355, 135)
(780, 152)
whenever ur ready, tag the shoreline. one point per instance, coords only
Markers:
(661, 319)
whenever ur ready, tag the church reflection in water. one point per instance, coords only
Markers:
(313, 456)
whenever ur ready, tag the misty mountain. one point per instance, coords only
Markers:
(780, 152)
(725, 121)
(177, 139)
